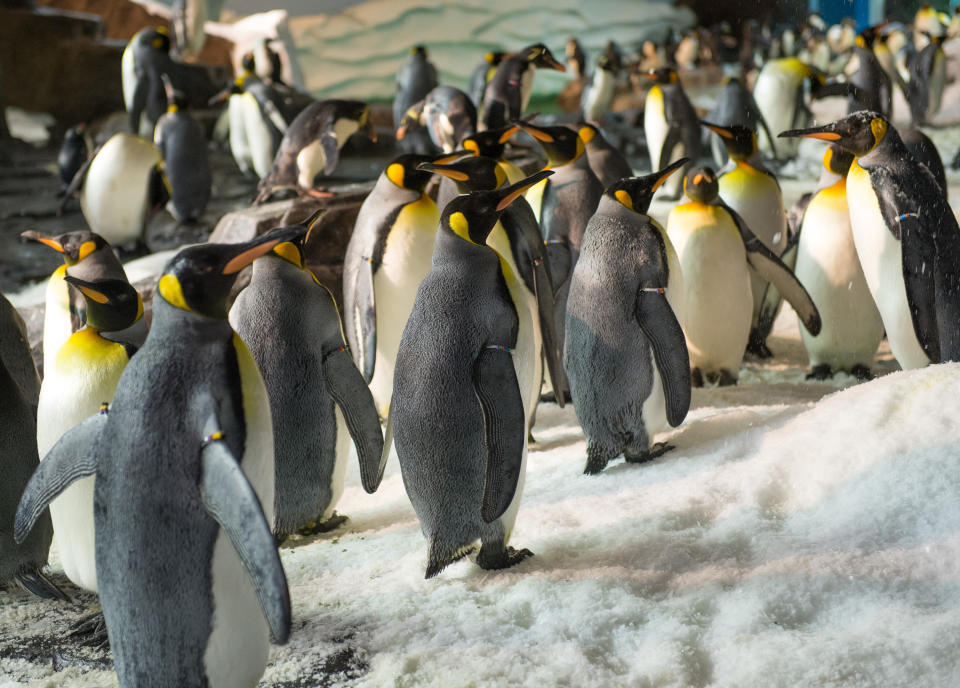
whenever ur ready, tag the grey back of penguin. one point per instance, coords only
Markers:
(15, 352)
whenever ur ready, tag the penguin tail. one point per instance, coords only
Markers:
(35, 581)
(441, 556)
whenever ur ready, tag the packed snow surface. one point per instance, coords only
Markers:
(800, 534)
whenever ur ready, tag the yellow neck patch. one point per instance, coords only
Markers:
(471, 145)
(460, 226)
(172, 109)
(289, 253)
(587, 134)
(879, 130)
(170, 289)
(86, 248)
(395, 174)
(624, 198)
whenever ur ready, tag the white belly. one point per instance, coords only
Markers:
(828, 266)
(57, 326)
(406, 261)
(881, 261)
(114, 197)
(310, 161)
(655, 126)
(259, 137)
(776, 95)
(236, 653)
(239, 146)
(128, 77)
(717, 302)
(341, 456)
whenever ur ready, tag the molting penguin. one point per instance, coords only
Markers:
(447, 114)
(563, 204)
(508, 92)
(906, 236)
(186, 447)
(88, 257)
(183, 145)
(670, 123)
(84, 376)
(18, 458)
(753, 191)
(312, 144)
(387, 257)
(827, 264)
(625, 353)
(526, 270)
(416, 78)
(716, 247)
(122, 186)
(459, 420)
(318, 398)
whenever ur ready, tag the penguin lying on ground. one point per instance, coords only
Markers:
(508, 92)
(318, 398)
(715, 247)
(625, 353)
(459, 420)
(186, 448)
(906, 236)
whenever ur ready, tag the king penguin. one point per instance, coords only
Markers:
(416, 78)
(482, 74)
(88, 257)
(22, 564)
(526, 270)
(563, 204)
(873, 88)
(715, 247)
(828, 266)
(906, 235)
(508, 92)
(459, 421)
(387, 257)
(448, 115)
(490, 143)
(290, 323)
(670, 123)
(145, 59)
(928, 76)
(73, 153)
(83, 376)
(190, 579)
(625, 353)
(606, 161)
(753, 191)
(736, 105)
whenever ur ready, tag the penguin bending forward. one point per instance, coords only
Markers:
(625, 353)
(190, 579)
(459, 421)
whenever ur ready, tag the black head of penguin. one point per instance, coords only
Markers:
(837, 160)
(74, 246)
(112, 305)
(562, 145)
(472, 173)
(538, 55)
(636, 193)
(663, 75)
(491, 142)
(701, 184)
(859, 132)
(740, 141)
(403, 171)
(198, 279)
(472, 216)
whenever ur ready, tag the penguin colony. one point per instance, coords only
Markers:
(226, 427)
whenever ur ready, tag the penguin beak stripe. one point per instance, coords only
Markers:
(514, 195)
(539, 135)
(93, 294)
(725, 133)
(456, 155)
(52, 243)
(508, 134)
(401, 132)
(452, 174)
(238, 263)
(825, 135)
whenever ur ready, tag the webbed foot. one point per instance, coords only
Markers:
(861, 372)
(500, 557)
(726, 378)
(820, 372)
(91, 630)
(696, 377)
(315, 527)
(655, 450)
(35, 581)
(757, 346)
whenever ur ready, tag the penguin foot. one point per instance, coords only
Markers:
(655, 450)
(820, 372)
(501, 558)
(551, 398)
(35, 581)
(756, 346)
(696, 377)
(726, 378)
(91, 629)
(332, 523)
(861, 372)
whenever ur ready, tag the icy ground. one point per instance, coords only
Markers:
(799, 535)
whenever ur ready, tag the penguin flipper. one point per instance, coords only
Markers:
(496, 386)
(659, 323)
(74, 456)
(331, 153)
(231, 502)
(768, 266)
(350, 391)
(917, 256)
(669, 143)
(558, 254)
(36, 582)
(766, 128)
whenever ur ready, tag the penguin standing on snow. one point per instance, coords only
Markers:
(183, 145)
(508, 92)
(185, 448)
(753, 191)
(828, 266)
(906, 235)
(312, 143)
(625, 353)
(715, 247)
(670, 123)
(459, 420)
(416, 78)
(290, 323)
(388, 255)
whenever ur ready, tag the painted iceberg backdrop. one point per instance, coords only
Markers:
(356, 54)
